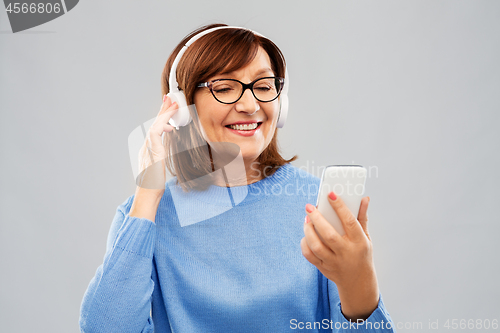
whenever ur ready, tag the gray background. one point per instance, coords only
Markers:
(408, 88)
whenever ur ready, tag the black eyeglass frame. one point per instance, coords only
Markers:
(245, 86)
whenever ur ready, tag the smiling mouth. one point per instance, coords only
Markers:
(245, 127)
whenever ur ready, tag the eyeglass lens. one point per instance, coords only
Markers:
(229, 91)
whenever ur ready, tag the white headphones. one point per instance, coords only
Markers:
(182, 116)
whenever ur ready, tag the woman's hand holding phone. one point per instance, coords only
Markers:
(152, 177)
(346, 260)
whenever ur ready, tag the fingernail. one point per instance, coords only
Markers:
(164, 98)
(332, 196)
(306, 220)
(309, 208)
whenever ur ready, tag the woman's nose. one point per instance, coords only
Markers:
(247, 103)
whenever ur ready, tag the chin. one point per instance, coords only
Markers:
(249, 154)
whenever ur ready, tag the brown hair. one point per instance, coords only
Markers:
(221, 51)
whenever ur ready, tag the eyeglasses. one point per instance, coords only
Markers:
(229, 91)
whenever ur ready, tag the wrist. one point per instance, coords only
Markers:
(146, 202)
(149, 193)
(359, 300)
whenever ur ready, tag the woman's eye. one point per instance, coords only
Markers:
(263, 88)
(222, 90)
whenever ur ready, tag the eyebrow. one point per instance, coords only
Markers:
(264, 70)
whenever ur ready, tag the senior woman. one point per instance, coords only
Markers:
(224, 246)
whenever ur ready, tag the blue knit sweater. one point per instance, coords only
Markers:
(220, 260)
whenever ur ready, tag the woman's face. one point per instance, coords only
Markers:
(216, 117)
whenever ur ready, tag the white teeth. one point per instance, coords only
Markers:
(245, 127)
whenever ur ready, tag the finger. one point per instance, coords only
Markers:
(351, 225)
(363, 216)
(167, 111)
(316, 245)
(158, 126)
(167, 102)
(308, 254)
(167, 108)
(325, 231)
(168, 128)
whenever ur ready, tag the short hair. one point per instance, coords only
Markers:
(220, 51)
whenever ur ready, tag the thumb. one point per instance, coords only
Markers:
(363, 215)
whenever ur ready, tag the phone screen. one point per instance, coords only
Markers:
(347, 182)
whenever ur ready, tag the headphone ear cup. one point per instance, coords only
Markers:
(283, 110)
(182, 116)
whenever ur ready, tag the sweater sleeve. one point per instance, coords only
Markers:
(118, 298)
(378, 322)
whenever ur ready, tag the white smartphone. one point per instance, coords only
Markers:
(346, 181)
